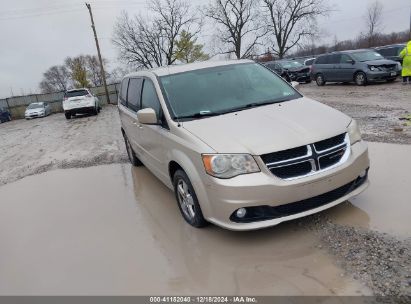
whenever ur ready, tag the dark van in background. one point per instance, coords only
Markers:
(359, 66)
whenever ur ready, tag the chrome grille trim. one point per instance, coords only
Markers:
(314, 159)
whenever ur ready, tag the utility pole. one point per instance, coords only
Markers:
(99, 53)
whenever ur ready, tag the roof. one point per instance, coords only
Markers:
(175, 69)
(390, 45)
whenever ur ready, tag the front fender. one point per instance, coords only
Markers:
(194, 168)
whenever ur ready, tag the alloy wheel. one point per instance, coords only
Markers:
(185, 199)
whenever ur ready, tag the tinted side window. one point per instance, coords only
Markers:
(345, 58)
(149, 97)
(334, 58)
(321, 60)
(134, 94)
(123, 92)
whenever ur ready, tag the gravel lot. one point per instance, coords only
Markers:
(379, 260)
(36, 146)
(377, 107)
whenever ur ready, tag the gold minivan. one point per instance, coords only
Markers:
(239, 146)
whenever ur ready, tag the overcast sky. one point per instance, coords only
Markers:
(36, 34)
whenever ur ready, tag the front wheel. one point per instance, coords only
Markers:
(187, 200)
(319, 79)
(68, 115)
(360, 79)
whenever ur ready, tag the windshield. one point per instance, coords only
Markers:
(367, 56)
(224, 89)
(290, 64)
(35, 106)
(76, 93)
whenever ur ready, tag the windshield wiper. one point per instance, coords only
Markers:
(254, 105)
(199, 115)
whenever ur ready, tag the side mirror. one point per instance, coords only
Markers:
(147, 117)
(351, 61)
(295, 84)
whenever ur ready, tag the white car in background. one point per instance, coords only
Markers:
(80, 101)
(37, 109)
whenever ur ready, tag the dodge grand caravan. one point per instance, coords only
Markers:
(238, 145)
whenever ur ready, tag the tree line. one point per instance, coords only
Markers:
(170, 31)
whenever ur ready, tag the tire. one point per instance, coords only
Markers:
(360, 79)
(68, 115)
(131, 154)
(187, 200)
(319, 79)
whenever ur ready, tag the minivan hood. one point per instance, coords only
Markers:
(270, 128)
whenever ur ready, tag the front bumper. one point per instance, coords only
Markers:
(382, 75)
(224, 196)
(34, 115)
(300, 77)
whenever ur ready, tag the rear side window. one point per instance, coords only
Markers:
(123, 92)
(149, 97)
(336, 58)
(134, 94)
(321, 60)
(76, 93)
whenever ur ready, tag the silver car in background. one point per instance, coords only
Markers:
(37, 109)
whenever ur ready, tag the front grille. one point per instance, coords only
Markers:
(293, 170)
(284, 155)
(302, 161)
(329, 143)
(262, 213)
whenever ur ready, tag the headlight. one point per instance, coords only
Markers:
(229, 165)
(354, 132)
(373, 68)
(399, 66)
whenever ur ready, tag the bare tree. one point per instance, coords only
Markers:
(373, 21)
(55, 79)
(292, 20)
(152, 42)
(239, 25)
(92, 65)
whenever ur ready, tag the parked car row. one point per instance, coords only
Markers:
(359, 66)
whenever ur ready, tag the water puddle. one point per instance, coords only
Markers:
(116, 230)
(386, 205)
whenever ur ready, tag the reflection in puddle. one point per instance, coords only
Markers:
(116, 230)
(386, 205)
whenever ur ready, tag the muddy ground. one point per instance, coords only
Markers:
(120, 232)
(30, 147)
(377, 107)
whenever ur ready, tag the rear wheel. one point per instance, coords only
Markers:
(68, 115)
(131, 155)
(319, 79)
(187, 200)
(360, 79)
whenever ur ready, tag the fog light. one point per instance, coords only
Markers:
(241, 212)
(363, 173)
